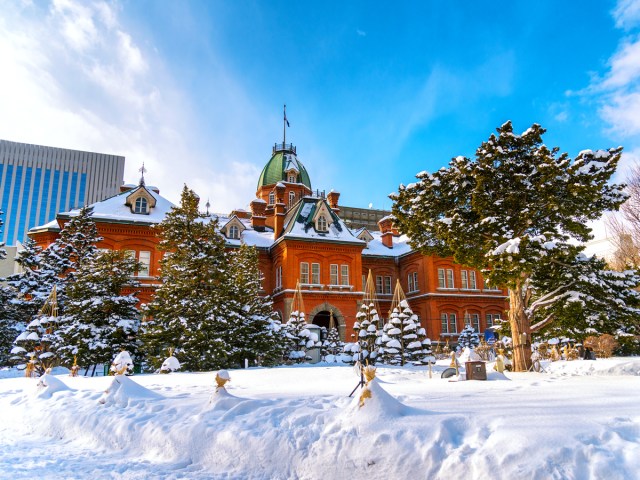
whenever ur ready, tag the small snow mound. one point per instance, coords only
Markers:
(123, 392)
(381, 405)
(469, 355)
(494, 375)
(171, 364)
(49, 384)
(223, 400)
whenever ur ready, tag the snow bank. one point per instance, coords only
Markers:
(49, 384)
(580, 418)
(123, 392)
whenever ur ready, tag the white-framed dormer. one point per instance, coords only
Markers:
(233, 228)
(140, 201)
(322, 219)
(365, 235)
(291, 171)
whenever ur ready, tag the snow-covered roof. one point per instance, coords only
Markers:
(300, 223)
(376, 248)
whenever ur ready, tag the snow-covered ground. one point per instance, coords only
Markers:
(578, 420)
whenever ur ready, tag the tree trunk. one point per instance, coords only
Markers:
(520, 331)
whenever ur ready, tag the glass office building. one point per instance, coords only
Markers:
(36, 182)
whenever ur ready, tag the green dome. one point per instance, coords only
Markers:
(281, 162)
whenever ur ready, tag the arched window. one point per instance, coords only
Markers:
(234, 232)
(292, 198)
(141, 205)
(272, 198)
(322, 223)
(292, 178)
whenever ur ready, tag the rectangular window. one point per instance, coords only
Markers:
(145, 263)
(64, 205)
(11, 222)
(279, 277)
(83, 187)
(416, 287)
(20, 231)
(453, 326)
(492, 319)
(472, 319)
(304, 272)
(464, 277)
(74, 190)
(344, 274)
(379, 284)
(315, 273)
(472, 280)
(448, 323)
(44, 198)
(450, 278)
(441, 280)
(333, 274)
(387, 285)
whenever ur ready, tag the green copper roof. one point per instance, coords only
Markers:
(274, 170)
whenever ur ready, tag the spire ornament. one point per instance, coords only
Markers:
(142, 171)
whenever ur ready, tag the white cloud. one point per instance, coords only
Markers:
(361, 33)
(75, 77)
(618, 90)
(627, 13)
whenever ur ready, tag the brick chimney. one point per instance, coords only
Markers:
(243, 214)
(332, 198)
(258, 207)
(278, 218)
(386, 228)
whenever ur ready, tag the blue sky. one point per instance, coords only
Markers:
(375, 91)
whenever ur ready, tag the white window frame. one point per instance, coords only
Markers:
(441, 278)
(472, 280)
(450, 282)
(379, 284)
(292, 198)
(464, 277)
(344, 275)
(234, 232)
(333, 274)
(272, 198)
(279, 277)
(448, 323)
(315, 274)
(472, 319)
(491, 319)
(321, 224)
(304, 272)
(141, 205)
(292, 177)
(144, 257)
(387, 285)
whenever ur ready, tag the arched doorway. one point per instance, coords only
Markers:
(323, 319)
(321, 316)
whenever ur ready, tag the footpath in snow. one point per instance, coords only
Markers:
(578, 420)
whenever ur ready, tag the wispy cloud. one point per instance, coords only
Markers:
(361, 33)
(618, 90)
(75, 77)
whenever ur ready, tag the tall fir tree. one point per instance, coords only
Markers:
(99, 320)
(391, 351)
(188, 311)
(514, 210)
(9, 320)
(468, 338)
(254, 332)
(297, 337)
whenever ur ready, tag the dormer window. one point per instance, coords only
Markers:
(292, 177)
(322, 223)
(292, 198)
(141, 205)
(234, 232)
(272, 198)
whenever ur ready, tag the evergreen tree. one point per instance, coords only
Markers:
(254, 333)
(366, 329)
(332, 344)
(188, 311)
(99, 321)
(391, 341)
(297, 336)
(512, 212)
(9, 320)
(468, 338)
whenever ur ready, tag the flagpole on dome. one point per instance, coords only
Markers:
(284, 127)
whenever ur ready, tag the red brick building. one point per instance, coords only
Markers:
(301, 237)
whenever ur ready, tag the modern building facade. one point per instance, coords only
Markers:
(301, 237)
(37, 182)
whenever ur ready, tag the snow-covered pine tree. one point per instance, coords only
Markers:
(367, 331)
(332, 344)
(297, 336)
(511, 212)
(188, 311)
(468, 338)
(254, 333)
(99, 320)
(414, 338)
(391, 351)
(9, 323)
